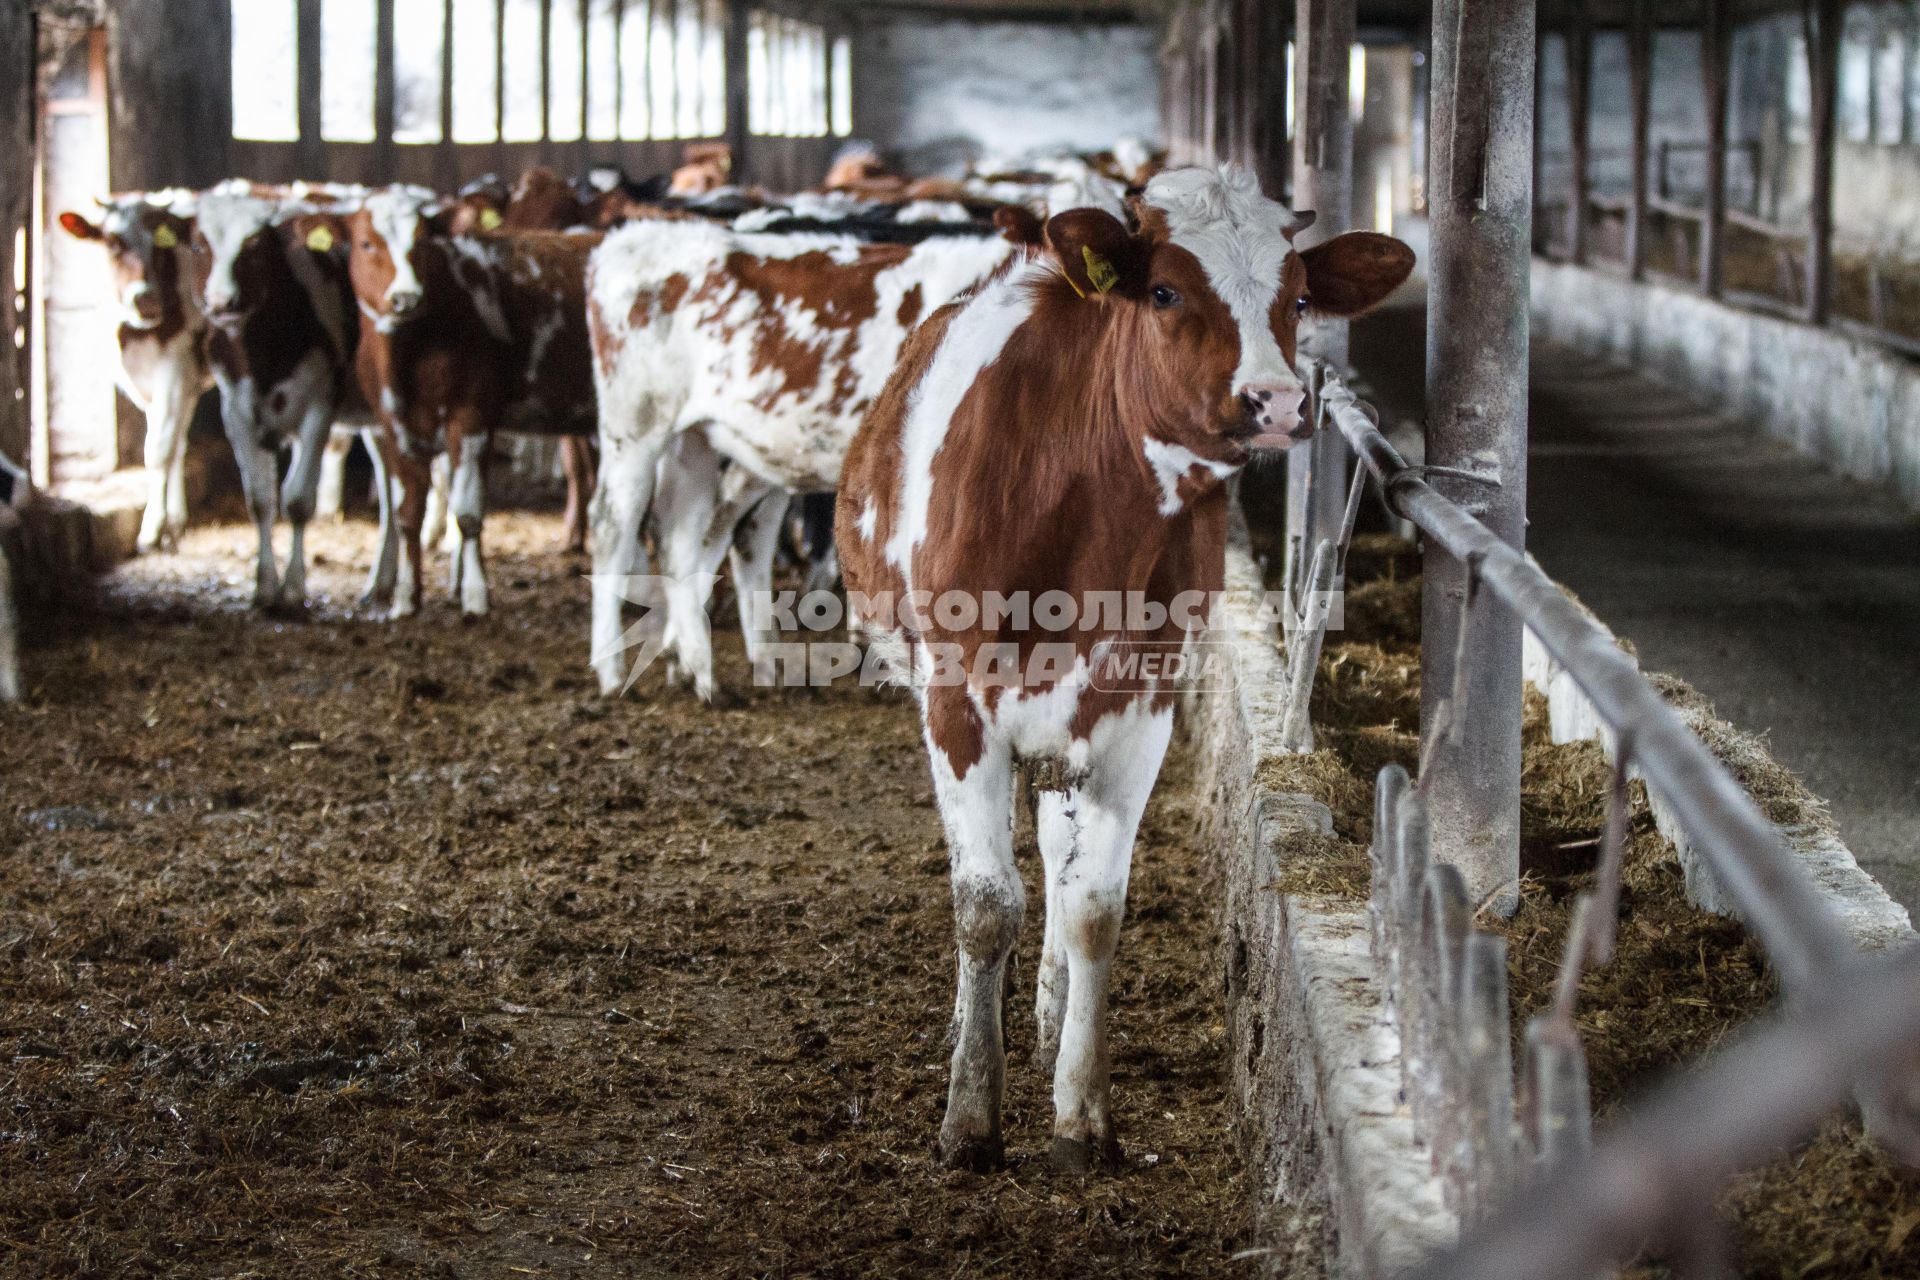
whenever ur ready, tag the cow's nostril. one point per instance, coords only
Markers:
(1253, 402)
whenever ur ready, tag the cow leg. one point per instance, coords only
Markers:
(686, 511)
(9, 632)
(576, 459)
(1054, 818)
(414, 481)
(177, 467)
(1087, 874)
(620, 503)
(988, 901)
(750, 559)
(167, 415)
(380, 581)
(816, 522)
(466, 503)
(435, 528)
(259, 481)
(327, 499)
(297, 498)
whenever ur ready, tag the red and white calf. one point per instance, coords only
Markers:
(282, 346)
(736, 366)
(464, 335)
(1071, 429)
(161, 338)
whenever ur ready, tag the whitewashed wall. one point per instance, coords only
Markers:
(938, 92)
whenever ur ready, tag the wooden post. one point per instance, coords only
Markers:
(447, 161)
(738, 89)
(1714, 70)
(1823, 55)
(1640, 78)
(1579, 106)
(383, 90)
(1480, 210)
(1322, 183)
(310, 152)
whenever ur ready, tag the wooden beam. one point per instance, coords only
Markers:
(1640, 85)
(1822, 19)
(1715, 68)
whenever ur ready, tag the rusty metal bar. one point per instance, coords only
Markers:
(1323, 183)
(1481, 209)
(1749, 858)
(1645, 1182)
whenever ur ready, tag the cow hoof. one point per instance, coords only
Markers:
(1077, 1157)
(721, 698)
(975, 1155)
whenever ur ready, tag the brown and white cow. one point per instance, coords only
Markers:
(735, 366)
(282, 347)
(161, 337)
(1071, 429)
(465, 335)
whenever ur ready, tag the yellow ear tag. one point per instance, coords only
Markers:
(320, 240)
(1100, 272)
(164, 237)
(490, 219)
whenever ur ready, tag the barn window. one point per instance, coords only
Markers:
(713, 70)
(1856, 88)
(566, 73)
(842, 86)
(635, 106)
(348, 51)
(419, 43)
(603, 71)
(266, 105)
(524, 84)
(1890, 88)
(476, 71)
(1799, 92)
(786, 77)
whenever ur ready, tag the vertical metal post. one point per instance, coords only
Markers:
(1823, 53)
(1480, 207)
(1640, 83)
(1579, 112)
(447, 161)
(1714, 70)
(1322, 182)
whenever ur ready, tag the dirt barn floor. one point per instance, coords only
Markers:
(333, 948)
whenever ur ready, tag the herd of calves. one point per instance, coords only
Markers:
(1031, 389)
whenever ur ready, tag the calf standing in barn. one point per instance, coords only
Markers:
(734, 367)
(161, 338)
(465, 335)
(282, 346)
(1071, 428)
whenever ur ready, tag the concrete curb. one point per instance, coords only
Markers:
(1315, 1062)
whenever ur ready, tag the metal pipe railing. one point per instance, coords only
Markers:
(1655, 1179)
(1751, 862)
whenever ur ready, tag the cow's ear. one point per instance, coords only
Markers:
(320, 232)
(1354, 272)
(1019, 224)
(1096, 253)
(79, 228)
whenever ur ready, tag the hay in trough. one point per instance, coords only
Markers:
(1681, 981)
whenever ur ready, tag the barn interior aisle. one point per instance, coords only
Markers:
(345, 950)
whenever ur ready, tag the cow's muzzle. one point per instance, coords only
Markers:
(1275, 415)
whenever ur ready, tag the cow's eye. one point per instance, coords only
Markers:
(1165, 297)
(1300, 307)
